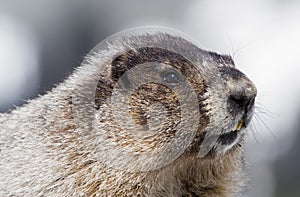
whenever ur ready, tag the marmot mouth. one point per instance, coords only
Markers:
(230, 137)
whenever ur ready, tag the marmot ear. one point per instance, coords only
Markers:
(103, 91)
(120, 65)
(119, 75)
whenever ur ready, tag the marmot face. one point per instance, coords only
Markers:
(162, 97)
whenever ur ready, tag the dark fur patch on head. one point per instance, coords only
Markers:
(132, 58)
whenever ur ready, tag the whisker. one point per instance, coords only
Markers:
(265, 125)
(264, 113)
(260, 107)
(254, 132)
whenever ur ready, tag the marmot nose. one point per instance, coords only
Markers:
(241, 96)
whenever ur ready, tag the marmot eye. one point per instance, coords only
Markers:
(171, 77)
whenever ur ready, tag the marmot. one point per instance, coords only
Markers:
(148, 113)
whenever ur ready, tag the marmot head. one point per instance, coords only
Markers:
(157, 96)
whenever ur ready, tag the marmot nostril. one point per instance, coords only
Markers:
(243, 103)
(237, 101)
(242, 99)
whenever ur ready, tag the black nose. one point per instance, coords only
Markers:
(242, 93)
(240, 102)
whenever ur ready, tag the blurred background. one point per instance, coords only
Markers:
(41, 42)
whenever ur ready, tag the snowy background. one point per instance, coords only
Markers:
(42, 41)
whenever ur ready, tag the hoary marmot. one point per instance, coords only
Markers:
(148, 113)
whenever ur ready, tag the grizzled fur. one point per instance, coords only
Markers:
(50, 147)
